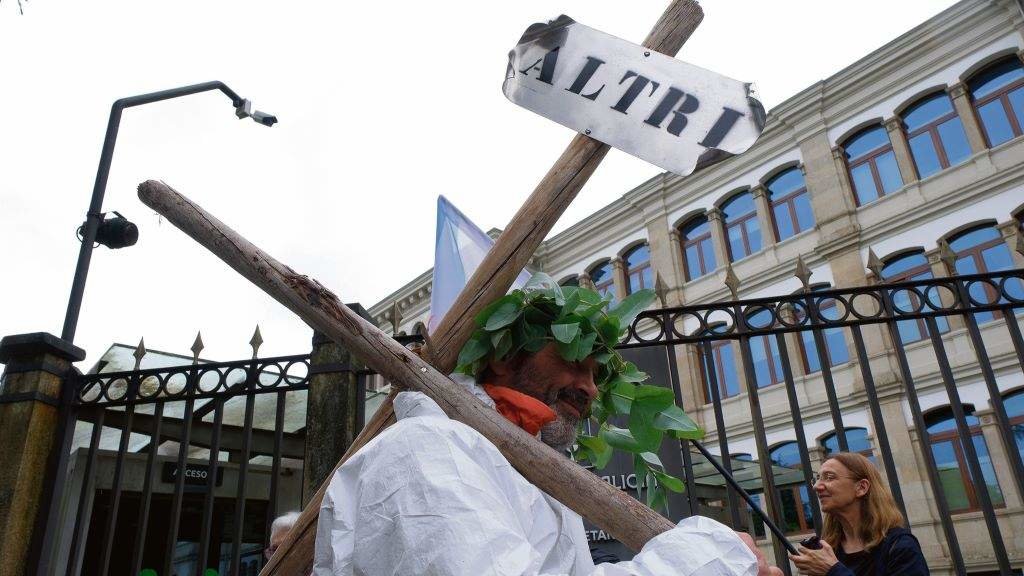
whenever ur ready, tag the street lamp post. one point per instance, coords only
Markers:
(94, 218)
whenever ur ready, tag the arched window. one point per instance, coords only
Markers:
(638, 269)
(724, 363)
(764, 350)
(835, 341)
(872, 164)
(570, 281)
(935, 134)
(698, 248)
(980, 250)
(998, 96)
(955, 476)
(742, 231)
(791, 205)
(906, 267)
(1014, 404)
(856, 440)
(603, 277)
(795, 499)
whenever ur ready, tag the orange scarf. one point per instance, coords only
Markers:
(524, 411)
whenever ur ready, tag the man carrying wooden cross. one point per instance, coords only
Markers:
(431, 495)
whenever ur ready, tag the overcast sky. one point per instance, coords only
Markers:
(382, 107)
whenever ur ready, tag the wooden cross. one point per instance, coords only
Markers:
(609, 508)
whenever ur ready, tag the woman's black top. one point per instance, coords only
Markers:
(898, 554)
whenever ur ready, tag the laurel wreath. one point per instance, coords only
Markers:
(583, 323)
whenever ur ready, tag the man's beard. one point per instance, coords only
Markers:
(560, 433)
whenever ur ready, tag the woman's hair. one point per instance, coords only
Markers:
(878, 510)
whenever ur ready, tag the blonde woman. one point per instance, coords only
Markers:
(864, 533)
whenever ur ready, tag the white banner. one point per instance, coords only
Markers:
(667, 112)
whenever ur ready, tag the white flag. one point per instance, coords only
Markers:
(459, 248)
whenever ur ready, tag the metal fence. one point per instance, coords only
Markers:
(897, 316)
(179, 469)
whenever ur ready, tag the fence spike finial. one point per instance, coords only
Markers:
(396, 317)
(256, 341)
(140, 351)
(803, 272)
(732, 281)
(948, 256)
(875, 264)
(660, 289)
(197, 347)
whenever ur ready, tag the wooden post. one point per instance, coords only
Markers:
(30, 396)
(620, 515)
(510, 253)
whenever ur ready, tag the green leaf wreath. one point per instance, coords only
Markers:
(583, 323)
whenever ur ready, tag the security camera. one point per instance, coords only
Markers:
(264, 118)
(243, 110)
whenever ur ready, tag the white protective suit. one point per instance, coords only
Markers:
(431, 495)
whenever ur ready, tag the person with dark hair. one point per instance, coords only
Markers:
(864, 532)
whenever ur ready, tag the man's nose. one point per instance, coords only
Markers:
(587, 386)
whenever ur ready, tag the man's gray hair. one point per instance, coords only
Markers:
(284, 522)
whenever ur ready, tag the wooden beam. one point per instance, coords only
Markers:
(625, 518)
(510, 254)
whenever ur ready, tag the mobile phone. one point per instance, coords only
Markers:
(811, 542)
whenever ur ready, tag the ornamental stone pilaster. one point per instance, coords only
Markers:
(664, 261)
(1011, 233)
(764, 215)
(939, 270)
(998, 457)
(677, 296)
(898, 139)
(717, 224)
(962, 103)
(619, 275)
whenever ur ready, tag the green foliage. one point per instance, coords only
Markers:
(582, 323)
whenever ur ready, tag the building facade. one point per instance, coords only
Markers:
(913, 151)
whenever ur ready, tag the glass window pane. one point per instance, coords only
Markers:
(737, 249)
(785, 183)
(708, 248)
(693, 262)
(948, 466)
(864, 183)
(637, 256)
(995, 77)
(925, 157)
(987, 471)
(695, 227)
(997, 258)
(865, 142)
(889, 172)
(954, 141)
(760, 358)
(836, 346)
(728, 379)
(804, 214)
(973, 238)
(753, 227)
(1017, 103)
(810, 351)
(738, 205)
(924, 112)
(996, 124)
(783, 221)
(646, 277)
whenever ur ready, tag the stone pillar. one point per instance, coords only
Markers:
(585, 281)
(30, 394)
(939, 270)
(901, 149)
(962, 104)
(677, 296)
(1011, 234)
(843, 175)
(664, 260)
(904, 446)
(717, 225)
(764, 216)
(619, 277)
(794, 349)
(999, 457)
(334, 409)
